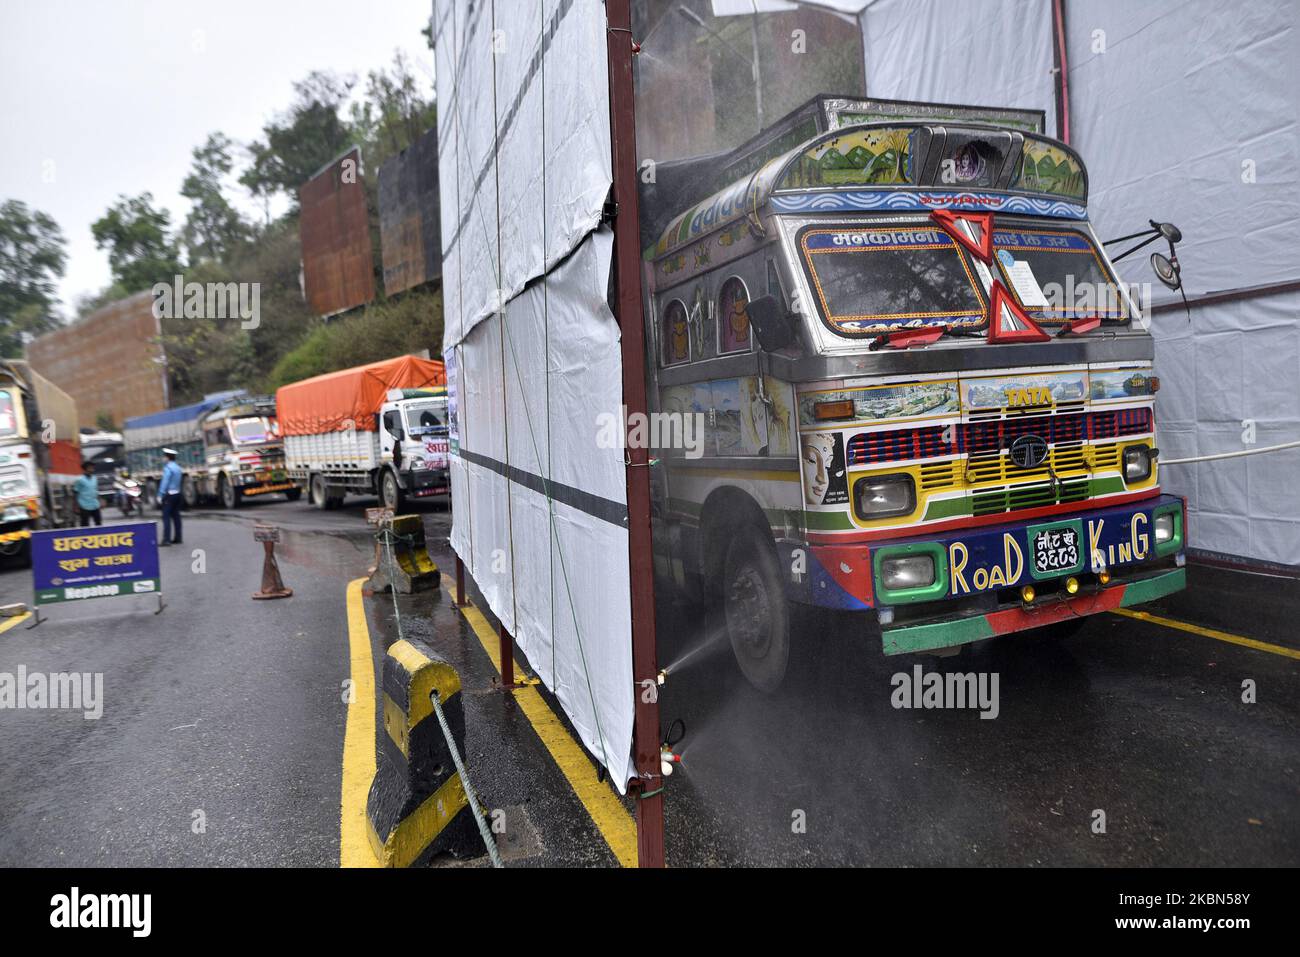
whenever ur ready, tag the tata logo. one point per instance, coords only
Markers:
(1029, 451)
(1033, 395)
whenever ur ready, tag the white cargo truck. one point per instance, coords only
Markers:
(377, 430)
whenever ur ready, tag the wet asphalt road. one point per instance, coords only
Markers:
(1130, 718)
(233, 708)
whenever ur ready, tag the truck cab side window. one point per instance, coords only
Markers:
(733, 317)
(674, 334)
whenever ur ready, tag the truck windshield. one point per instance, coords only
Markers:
(250, 431)
(875, 279)
(1057, 274)
(426, 417)
(8, 421)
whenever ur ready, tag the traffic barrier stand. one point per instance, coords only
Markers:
(272, 585)
(408, 567)
(420, 805)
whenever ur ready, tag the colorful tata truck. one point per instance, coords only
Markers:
(228, 448)
(923, 394)
(40, 457)
(377, 429)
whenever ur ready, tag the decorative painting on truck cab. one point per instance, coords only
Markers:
(879, 403)
(1049, 169)
(882, 278)
(825, 479)
(1119, 384)
(675, 334)
(1025, 391)
(733, 317)
(876, 157)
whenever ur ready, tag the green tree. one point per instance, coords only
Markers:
(393, 327)
(140, 251)
(298, 143)
(213, 229)
(32, 260)
(394, 112)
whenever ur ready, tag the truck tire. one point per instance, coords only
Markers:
(293, 495)
(390, 492)
(316, 486)
(755, 608)
(189, 494)
(229, 495)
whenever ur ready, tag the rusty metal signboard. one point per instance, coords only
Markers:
(334, 227)
(110, 362)
(409, 227)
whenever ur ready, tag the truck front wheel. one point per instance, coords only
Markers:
(390, 493)
(230, 497)
(756, 610)
(189, 494)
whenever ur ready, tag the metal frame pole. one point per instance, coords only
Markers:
(460, 583)
(631, 320)
(507, 657)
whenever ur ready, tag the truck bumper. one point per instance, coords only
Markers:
(423, 483)
(978, 574)
(936, 635)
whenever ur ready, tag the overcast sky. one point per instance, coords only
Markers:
(102, 97)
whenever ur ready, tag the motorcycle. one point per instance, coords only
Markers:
(128, 492)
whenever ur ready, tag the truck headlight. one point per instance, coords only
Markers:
(907, 571)
(1137, 463)
(883, 496)
(1164, 527)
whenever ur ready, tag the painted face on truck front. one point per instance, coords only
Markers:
(818, 455)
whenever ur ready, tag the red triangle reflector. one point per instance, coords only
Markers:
(949, 221)
(1008, 322)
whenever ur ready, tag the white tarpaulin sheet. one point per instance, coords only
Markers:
(540, 511)
(1185, 111)
(978, 52)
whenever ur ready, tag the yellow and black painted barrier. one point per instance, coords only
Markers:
(418, 806)
(402, 560)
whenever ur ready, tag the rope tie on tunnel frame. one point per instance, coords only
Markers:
(387, 537)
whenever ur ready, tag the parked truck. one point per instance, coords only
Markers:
(40, 456)
(377, 429)
(227, 446)
(106, 454)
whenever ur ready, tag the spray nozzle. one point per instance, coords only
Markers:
(667, 758)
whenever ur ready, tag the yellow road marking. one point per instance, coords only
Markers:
(607, 811)
(15, 621)
(358, 739)
(1210, 633)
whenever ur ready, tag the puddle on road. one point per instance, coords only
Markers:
(345, 556)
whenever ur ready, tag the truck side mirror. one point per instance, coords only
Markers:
(771, 323)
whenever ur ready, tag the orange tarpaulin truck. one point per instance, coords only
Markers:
(377, 429)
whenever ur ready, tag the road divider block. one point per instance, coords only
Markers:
(417, 807)
(403, 564)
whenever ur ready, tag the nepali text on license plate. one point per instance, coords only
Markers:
(1056, 549)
